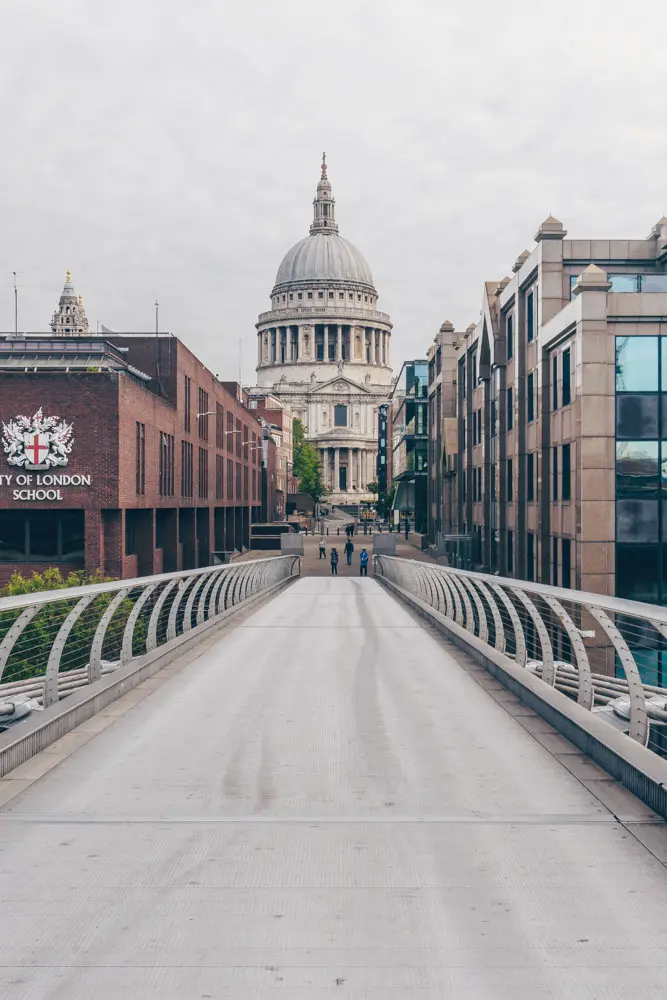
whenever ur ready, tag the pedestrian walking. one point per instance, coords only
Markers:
(334, 561)
(349, 549)
(323, 548)
(363, 562)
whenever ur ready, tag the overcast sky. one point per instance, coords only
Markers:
(170, 150)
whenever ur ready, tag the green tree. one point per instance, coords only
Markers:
(307, 467)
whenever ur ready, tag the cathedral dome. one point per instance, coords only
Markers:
(323, 256)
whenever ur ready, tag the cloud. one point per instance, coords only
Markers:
(170, 151)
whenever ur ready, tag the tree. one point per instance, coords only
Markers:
(386, 501)
(307, 467)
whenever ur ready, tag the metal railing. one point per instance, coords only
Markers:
(606, 653)
(54, 642)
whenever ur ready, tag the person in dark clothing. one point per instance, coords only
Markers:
(334, 561)
(363, 562)
(349, 549)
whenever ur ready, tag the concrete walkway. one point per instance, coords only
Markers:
(328, 803)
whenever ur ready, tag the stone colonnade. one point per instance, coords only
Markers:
(360, 464)
(296, 342)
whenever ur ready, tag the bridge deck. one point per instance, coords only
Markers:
(326, 803)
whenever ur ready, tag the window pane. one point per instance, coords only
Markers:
(637, 572)
(74, 539)
(653, 282)
(340, 415)
(636, 417)
(637, 364)
(12, 535)
(623, 282)
(637, 521)
(636, 467)
(43, 535)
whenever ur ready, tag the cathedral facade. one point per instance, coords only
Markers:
(324, 350)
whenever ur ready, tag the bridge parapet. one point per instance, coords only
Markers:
(603, 652)
(55, 642)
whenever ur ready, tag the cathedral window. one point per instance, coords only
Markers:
(291, 296)
(341, 295)
(351, 295)
(359, 296)
(340, 415)
(330, 295)
(310, 295)
(365, 298)
(320, 295)
(300, 295)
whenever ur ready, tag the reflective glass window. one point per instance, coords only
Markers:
(637, 572)
(636, 417)
(637, 364)
(636, 467)
(653, 282)
(43, 535)
(12, 535)
(340, 415)
(73, 535)
(636, 520)
(623, 282)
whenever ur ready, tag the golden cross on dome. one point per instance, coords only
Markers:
(68, 277)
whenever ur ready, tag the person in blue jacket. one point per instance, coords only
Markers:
(363, 562)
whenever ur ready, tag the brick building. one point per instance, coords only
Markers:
(154, 466)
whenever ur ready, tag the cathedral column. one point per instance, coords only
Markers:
(339, 343)
(299, 342)
(383, 340)
(336, 469)
(326, 342)
(359, 482)
(372, 338)
(259, 348)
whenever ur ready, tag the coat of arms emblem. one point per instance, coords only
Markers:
(37, 443)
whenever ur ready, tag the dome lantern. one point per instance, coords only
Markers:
(324, 220)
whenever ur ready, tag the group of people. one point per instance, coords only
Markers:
(348, 549)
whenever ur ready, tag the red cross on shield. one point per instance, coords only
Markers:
(36, 447)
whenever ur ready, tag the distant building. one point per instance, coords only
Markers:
(323, 350)
(70, 318)
(562, 416)
(409, 437)
(122, 453)
(442, 500)
(278, 418)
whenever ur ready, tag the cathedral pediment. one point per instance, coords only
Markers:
(340, 383)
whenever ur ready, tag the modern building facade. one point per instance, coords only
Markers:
(122, 453)
(410, 443)
(277, 419)
(442, 435)
(324, 350)
(562, 416)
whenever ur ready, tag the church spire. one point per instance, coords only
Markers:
(69, 319)
(324, 220)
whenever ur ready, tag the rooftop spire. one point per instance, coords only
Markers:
(70, 316)
(324, 220)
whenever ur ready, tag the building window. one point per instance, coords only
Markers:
(219, 427)
(530, 316)
(566, 474)
(530, 477)
(230, 431)
(566, 397)
(187, 471)
(140, 459)
(554, 473)
(554, 560)
(637, 364)
(238, 480)
(310, 295)
(320, 295)
(245, 483)
(203, 415)
(203, 474)
(510, 408)
(245, 442)
(530, 397)
(219, 477)
(230, 479)
(479, 484)
(166, 465)
(42, 536)
(474, 372)
(187, 403)
(340, 415)
(510, 337)
(331, 295)
(530, 556)
(554, 380)
(510, 553)
(566, 563)
(510, 480)
(637, 468)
